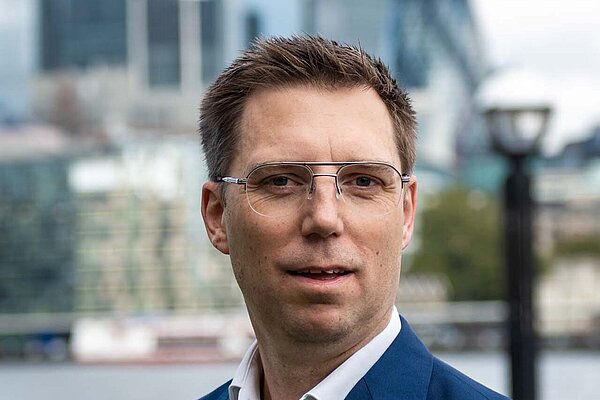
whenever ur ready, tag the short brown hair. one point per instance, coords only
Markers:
(299, 60)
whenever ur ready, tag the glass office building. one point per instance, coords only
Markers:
(76, 34)
(36, 246)
(432, 48)
(82, 33)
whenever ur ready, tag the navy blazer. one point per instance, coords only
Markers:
(407, 371)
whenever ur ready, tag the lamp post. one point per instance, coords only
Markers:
(516, 128)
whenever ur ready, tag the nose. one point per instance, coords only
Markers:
(321, 212)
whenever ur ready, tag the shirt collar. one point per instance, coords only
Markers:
(246, 381)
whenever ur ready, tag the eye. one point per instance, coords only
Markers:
(364, 181)
(361, 181)
(282, 180)
(279, 180)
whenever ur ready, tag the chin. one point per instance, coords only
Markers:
(317, 328)
(319, 335)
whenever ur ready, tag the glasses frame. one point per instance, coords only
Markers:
(404, 178)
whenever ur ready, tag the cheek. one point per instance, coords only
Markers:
(257, 240)
(386, 243)
(252, 244)
(243, 252)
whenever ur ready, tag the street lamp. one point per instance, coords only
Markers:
(517, 117)
(516, 131)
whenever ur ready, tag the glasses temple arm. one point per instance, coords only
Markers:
(231, 179)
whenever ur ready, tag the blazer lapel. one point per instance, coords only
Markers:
(402, 372)
(224, 395)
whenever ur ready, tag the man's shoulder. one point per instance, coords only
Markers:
(220, 393)
(448, 383)
(407, 370)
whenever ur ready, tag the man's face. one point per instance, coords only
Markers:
(307, 124)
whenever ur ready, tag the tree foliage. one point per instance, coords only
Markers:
(459, 234)
(578, 246)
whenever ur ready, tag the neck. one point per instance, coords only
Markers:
(293, 368)
(288, 378)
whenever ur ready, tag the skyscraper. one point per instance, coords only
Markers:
(82, 33)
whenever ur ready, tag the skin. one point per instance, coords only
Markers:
(307, 327)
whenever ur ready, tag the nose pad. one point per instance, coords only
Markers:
(338, 190)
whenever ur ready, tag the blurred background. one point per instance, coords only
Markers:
(109, 287)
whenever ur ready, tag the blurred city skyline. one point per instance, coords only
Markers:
(559, 41)
(100, 165)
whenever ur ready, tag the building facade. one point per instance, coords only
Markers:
(37, 259)
(432, 48)
(140, 241)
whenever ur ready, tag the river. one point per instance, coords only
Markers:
(562, 376)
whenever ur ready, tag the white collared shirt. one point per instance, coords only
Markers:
(337, 385)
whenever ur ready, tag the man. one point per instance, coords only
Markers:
(310, 147)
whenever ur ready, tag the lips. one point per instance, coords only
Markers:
(320, 273)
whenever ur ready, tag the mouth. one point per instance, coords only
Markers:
(320, 274)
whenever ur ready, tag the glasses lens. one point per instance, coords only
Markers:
(277, 190)
(374, 189)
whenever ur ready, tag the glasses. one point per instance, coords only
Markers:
(280, 188)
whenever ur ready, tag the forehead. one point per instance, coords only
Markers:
(303, 123)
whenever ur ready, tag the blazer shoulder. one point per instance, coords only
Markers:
(449, 383)
(220, 393)
(408, 371)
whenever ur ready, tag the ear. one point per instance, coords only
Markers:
(409, 210)
(213, 208)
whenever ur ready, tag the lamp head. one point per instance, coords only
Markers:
(517, 112)
(517, 131)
